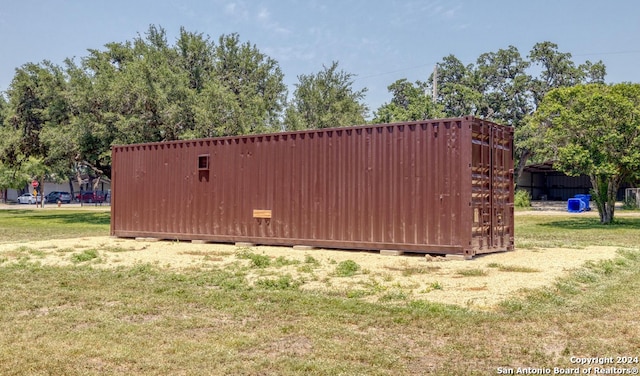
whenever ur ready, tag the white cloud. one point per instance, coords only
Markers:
(237, 10)
(434, 8)
(266, 21)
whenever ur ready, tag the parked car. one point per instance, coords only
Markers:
(90, 197)
(28, 198)
(55, 196)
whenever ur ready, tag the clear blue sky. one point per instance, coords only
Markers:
(380, 41)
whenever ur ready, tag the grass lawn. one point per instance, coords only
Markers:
(29, 224)
(140, 320)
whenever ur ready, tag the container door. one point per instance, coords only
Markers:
(501, 188)
(481, 186)
(492, 187)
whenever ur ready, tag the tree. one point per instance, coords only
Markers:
(499, 87)
(502, 78)
(410, 102)
(457, 88)
(36, 122)
(557, 70)
(3, 106)
(593, 129)
(255, 82)
(326, 99)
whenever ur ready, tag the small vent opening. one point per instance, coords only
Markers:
(203, 162)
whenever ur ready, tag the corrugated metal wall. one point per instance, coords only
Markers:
(442, 186)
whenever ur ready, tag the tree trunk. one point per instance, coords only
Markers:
(522, 162)
(41, 193)
(605, 189)
(71, 188)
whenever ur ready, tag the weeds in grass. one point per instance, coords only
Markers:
(311, 260)
(393, 296)
(409, 270)
(86, 255)
(306, 268)
(513, 268)
(281, 261)
(207, 253)
(433, 286)
(359, 293)
(347, 268)
(310, 264)
(283, 282)
(272, 326)
(257, 261)
(23, 254)
(522, 199)
(387, 277)
(117, 249)
(579, 281)
(472, 273)
(373, 286)
(38, 253)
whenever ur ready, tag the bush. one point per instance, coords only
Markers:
(347, 268)
(522, 199)
(257, 261)
(86, 255)
(630, 204)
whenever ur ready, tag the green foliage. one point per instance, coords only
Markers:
(36, 120)
(324, 100)
(86, 255)
(257, 261)
(457, 91)
(311, 260)
(522, 199)
(499, 87)
(144, 90)
(409, 103)
(347, 268)
(593, 130)
(283, 282)
(472, 272)
(281, 261)
(512, 268)
(630, 204)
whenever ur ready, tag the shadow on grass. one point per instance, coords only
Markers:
(87, 218)
(594, 224)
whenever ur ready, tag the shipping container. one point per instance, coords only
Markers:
(440, 186)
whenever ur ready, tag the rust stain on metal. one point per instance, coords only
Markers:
(433, 186)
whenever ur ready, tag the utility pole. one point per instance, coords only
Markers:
(434, 95)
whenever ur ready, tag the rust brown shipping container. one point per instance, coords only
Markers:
(435, 186)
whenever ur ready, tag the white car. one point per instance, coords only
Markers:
(28, 198)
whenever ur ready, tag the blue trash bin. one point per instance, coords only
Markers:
(575, 205)
(585, 199)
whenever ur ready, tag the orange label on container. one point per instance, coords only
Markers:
(261, 213)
